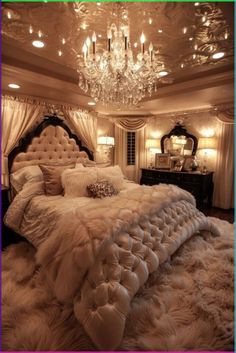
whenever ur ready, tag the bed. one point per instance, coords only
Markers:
(96, 253)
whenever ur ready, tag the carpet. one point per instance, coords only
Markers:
(187, 305)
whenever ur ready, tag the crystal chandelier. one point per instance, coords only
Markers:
(115, 75)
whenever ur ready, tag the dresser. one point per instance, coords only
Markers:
(199, 185)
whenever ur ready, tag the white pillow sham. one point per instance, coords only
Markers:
(23, 175)
(113, 175)
(75, 181)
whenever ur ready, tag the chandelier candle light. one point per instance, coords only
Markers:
(114, 76)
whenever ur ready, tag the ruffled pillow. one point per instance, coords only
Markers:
(23, 175)
(101, 189)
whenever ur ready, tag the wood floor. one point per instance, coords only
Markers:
(227, 215)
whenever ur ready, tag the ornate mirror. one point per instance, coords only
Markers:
(179, 142)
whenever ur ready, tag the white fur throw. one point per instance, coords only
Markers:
(105, 253)
(75, 182)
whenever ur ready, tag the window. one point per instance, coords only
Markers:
(130, 148)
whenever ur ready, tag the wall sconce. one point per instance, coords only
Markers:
(106, 143)
(206, 144)
(153, 145)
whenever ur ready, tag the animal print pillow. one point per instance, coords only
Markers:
(101, 189)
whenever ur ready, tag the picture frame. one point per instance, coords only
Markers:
(162, 161)
(188, 161)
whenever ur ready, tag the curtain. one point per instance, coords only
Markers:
(130, 124)
(120, 149)
(140, 154)
(224, 175)
(84, 125)
(17, 118)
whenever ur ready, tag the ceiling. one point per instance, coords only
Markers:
(201, 82)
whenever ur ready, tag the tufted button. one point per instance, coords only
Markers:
(107, 280)
(94, 307)
(104, 262)
(110, 301)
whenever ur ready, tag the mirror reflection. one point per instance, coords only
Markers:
(179, 145)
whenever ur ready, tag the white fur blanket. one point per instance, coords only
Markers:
(99, 256)
(187, 305)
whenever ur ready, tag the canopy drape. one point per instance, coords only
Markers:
(17, 118)
(85, 126)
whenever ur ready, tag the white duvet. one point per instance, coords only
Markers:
(98, 253)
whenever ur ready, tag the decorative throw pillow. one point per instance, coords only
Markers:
(52, 177)
(23, 175)
(75, 181)
(101, 189)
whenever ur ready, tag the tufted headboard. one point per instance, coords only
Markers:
(51, 142)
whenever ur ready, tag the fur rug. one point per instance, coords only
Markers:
(187, 305)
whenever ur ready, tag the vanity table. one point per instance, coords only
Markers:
(199, 185)
(179, 144)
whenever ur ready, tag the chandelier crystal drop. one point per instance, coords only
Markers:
(115, 75)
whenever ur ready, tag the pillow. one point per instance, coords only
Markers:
(21, 176)
(86, 162)
(52, 177)
(113, 175)
(101, 189)
(75, 181)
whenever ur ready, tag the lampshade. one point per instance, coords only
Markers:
(207, 143)
(153, 143)
(106, 140)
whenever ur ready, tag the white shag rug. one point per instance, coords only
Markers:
(187, 305)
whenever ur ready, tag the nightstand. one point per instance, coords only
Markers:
(199, 185)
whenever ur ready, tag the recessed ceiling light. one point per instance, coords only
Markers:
(59, 53)
(160, 31)
(40, 34)
(135, 44)
(196, 4)
(163, 73)
(91, 103)
(9, 16)
(218, 55)
(13, 85)
(31, 29)
(63, 41)
(98, 3)
(38, 44)
(99, 35)
(184, 30)
(191, 38)
(150, 21)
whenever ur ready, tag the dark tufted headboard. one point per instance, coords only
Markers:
(51, 141)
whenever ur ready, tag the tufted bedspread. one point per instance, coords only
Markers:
(99, 255)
